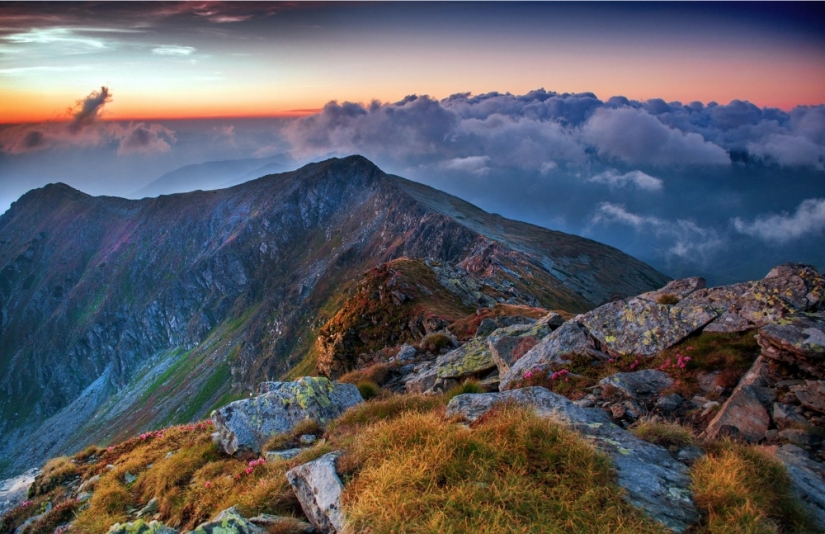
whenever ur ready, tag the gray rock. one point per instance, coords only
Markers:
(141, 527)
(811, 394)
(638, 326)
(796, 339)
(13, 491)
(150, 508)
(422, 380)
(245, 425)
(639, 384)
(729, 322)
(741, 416)
(307, 439)
(318, 488)
(228, 522)
(286, 454)
(678, 288)
(806, 478)
(800, 437)
(506, 350)
(486, 327)
(669, 403)
(283, 524)
(568, 339)
(784, 415)
(689, 454)
(406, 352)
(654, 481)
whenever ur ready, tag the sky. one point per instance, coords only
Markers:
(691, 135)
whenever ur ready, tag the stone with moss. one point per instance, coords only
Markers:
(244, 426)
(141, 527)
(229, 522)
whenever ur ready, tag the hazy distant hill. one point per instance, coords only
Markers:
(118, 315)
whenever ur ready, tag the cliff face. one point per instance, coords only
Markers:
(118, 315)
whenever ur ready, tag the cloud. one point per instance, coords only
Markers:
(88, 110)
(614, 178)
(173, 50)
(144, 139)
(471, 164)
(683, 238)
(638, 138)
(809, 218)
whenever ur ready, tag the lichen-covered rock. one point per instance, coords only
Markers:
(807, 479)
(797, 339)
(228, 522)
(245, 425)
(639, 384)
(811, 394)
(141, 527)
(568, 339)
(506, 350)
(638, 326)
(654, 481)
(729, 322)
(476, 356)
(676, 288)
(318, 488)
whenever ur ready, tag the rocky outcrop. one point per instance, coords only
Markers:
(797, 339)
(141, 527)
(654, 481)
(228, 522)
(675, 290)
(244, 426)
(318, 488)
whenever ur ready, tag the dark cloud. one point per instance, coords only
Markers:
(143, 139)
(88, 110)
(33, 140)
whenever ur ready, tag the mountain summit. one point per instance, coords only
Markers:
(121, 315)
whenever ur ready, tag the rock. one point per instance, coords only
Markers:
(476, 356)
(796, 339)
(654, 481)
(406, 352)
(421, 381)
(14, 491)
(228, 522)
(808, 482)
(552, 320)
(150, 508)
(506, 350)
(729, 322)
(141, 527)
(784, 415)
(638, 326)
(677, 288)
(318, 488)
(800, 437)
(617, 410)
(811, 394)
(307, 439)
(286, 454)
(689, 454)
(669, 403)
(741, 416)
(639, 384)
(568, 339)
(129, 478)
(244, 426)
(283, 524)
(486, 327)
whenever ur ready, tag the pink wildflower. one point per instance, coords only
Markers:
(248, 470)
(207, 485)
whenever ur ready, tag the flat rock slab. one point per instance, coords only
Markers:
(654, 481)
(729, 322)
(569, 338)
(318, 488)
(639, 384)
(742, 416)
(244, 426)
(798, 339)
(676, 288)
(806, 478)
(638, 326)
(228, 522)
(475, 356)
(811, 394)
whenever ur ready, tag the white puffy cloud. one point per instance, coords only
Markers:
(809, 218)
(641, 180)
(173, 50)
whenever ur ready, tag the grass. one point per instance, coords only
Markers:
(668, 298)
(468, 386)
(368, 390)
(742, 490)
(671, 436)
(378, 373)
(512, 472)
(54, 473)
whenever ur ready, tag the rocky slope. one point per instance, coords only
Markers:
(121, 315)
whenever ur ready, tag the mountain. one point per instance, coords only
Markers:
(121, 315)
(211, 175)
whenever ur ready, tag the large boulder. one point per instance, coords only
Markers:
(654, 481)
(645, 328)
(318, 488)
(745, 414)
(244, 426)
(639, 384)
(228, 522)
(141, 527)
(798, 339)
(568, 339)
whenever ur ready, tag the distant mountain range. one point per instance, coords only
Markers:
(121, 315)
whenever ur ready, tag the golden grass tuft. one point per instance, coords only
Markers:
(514, 472)
(742, 490)
(672, 436)
(378, 373)
(468, 386)
(55, 472)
